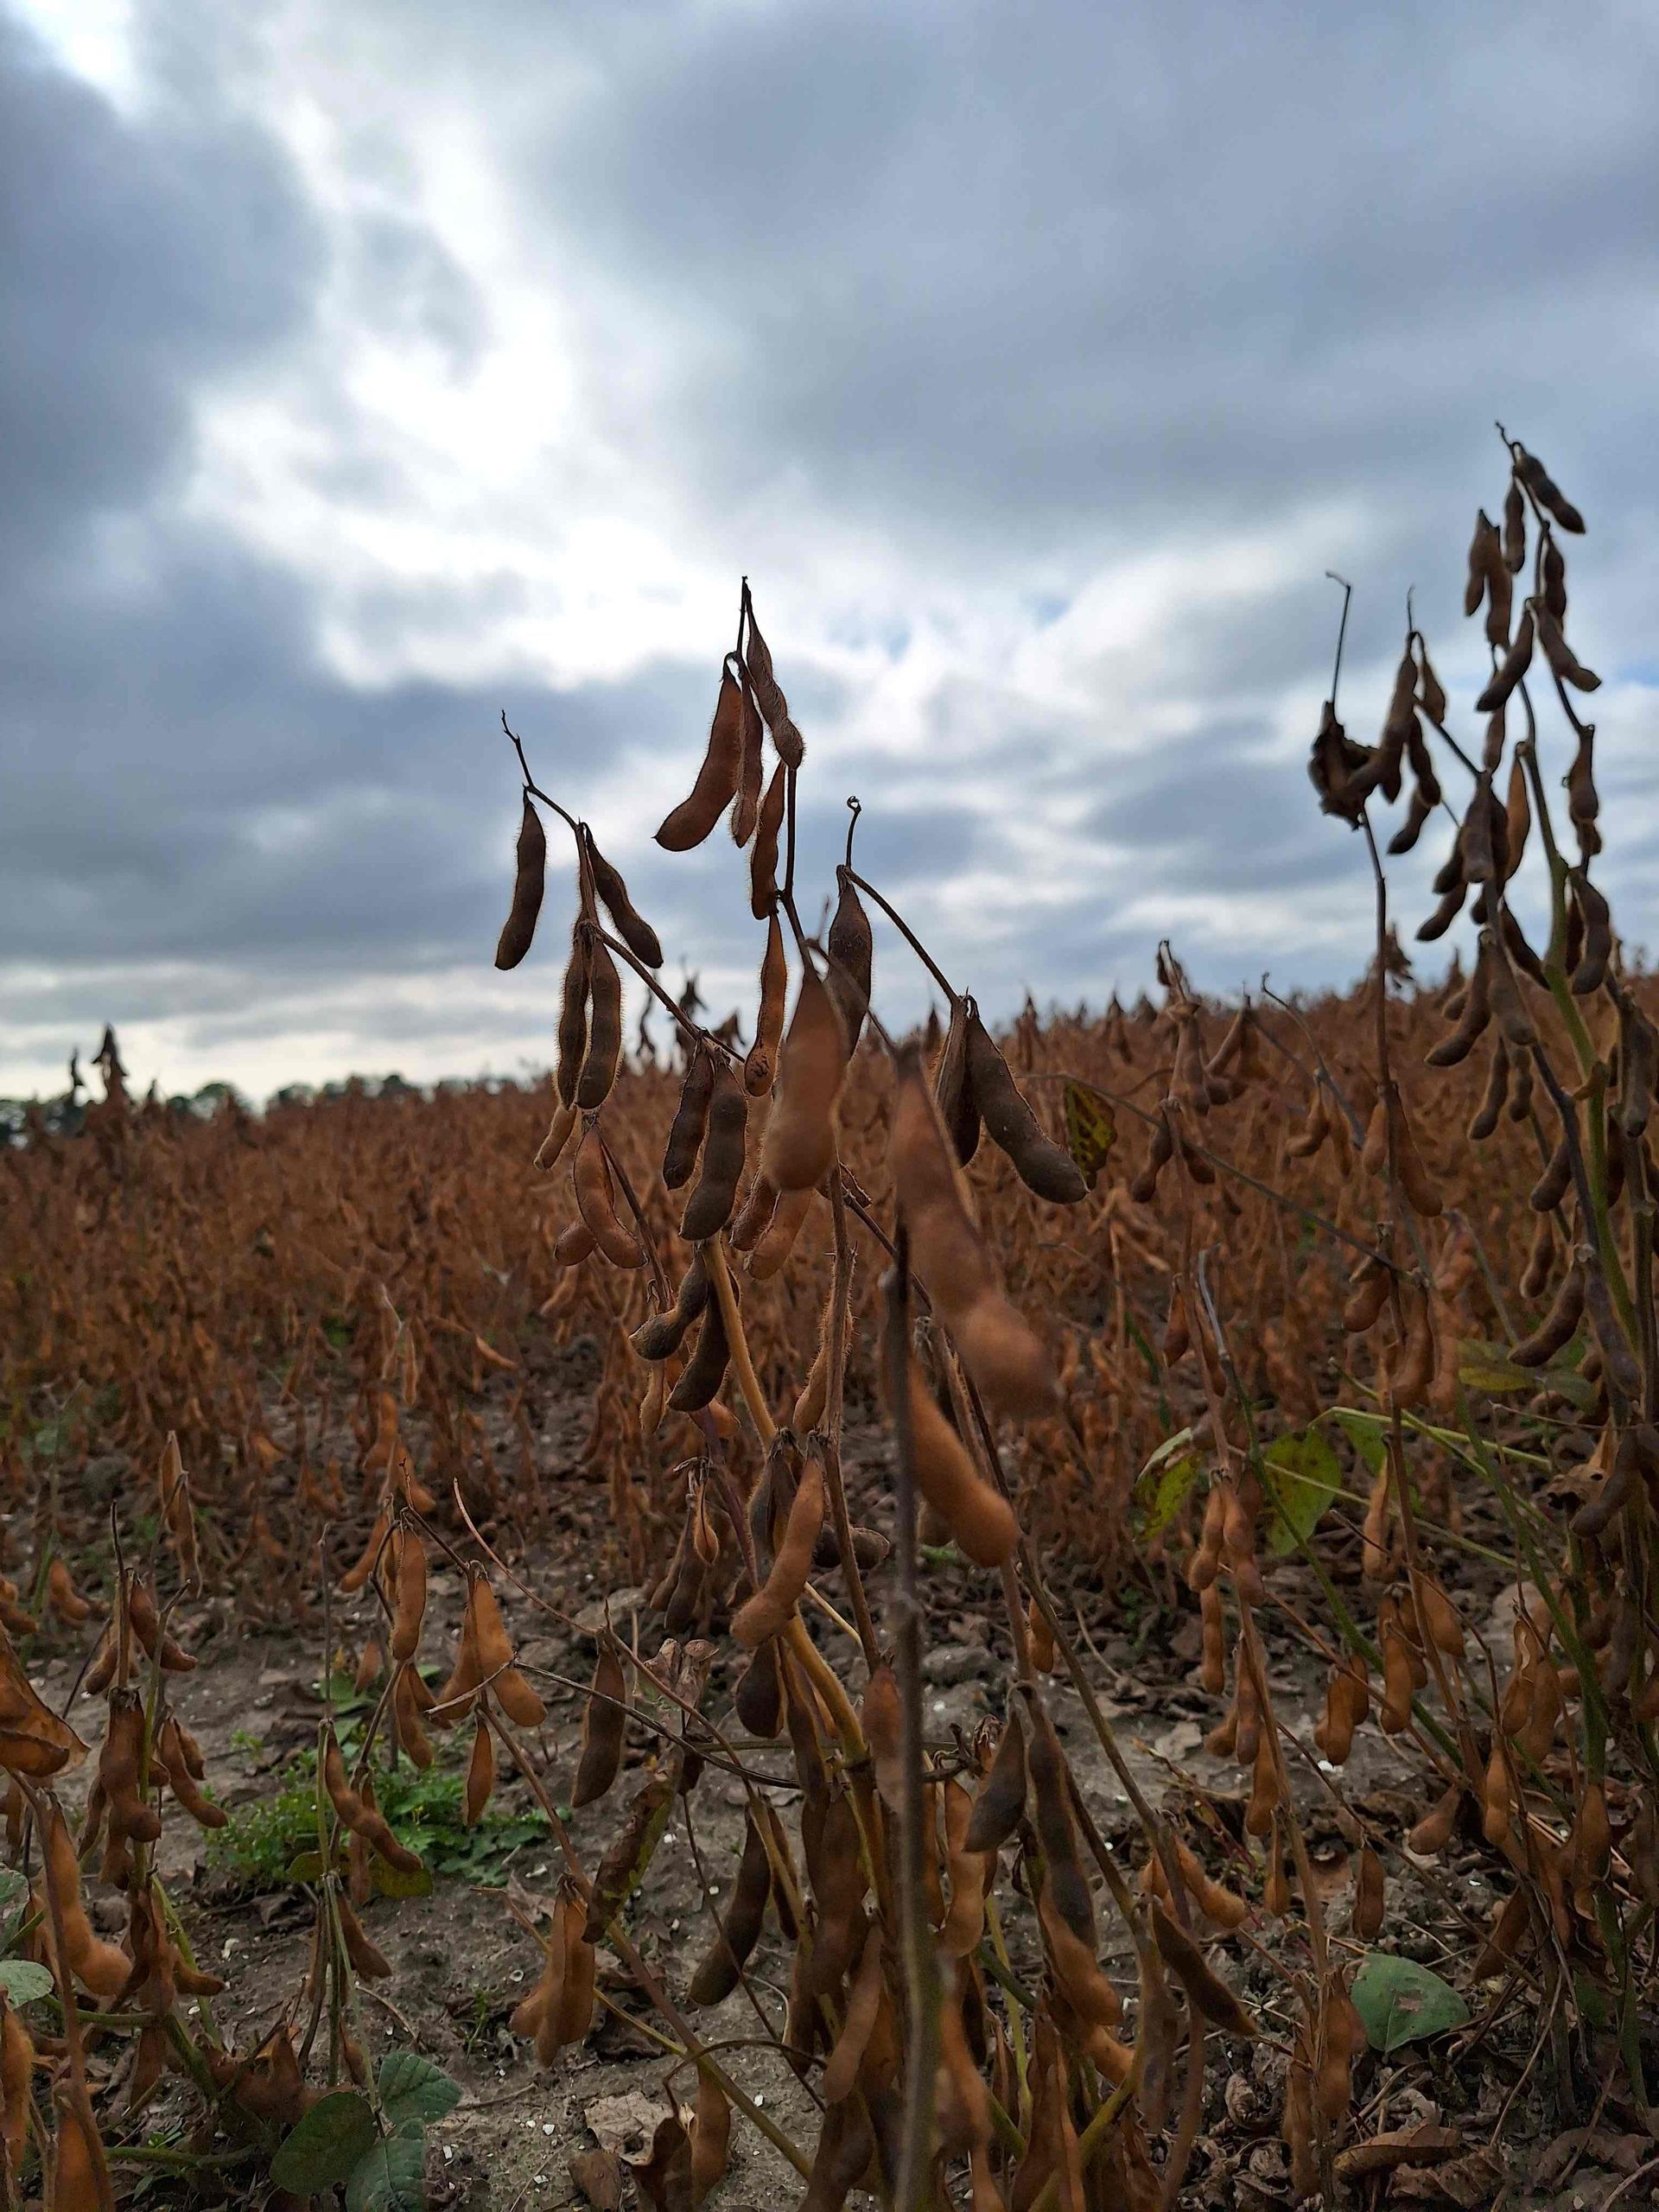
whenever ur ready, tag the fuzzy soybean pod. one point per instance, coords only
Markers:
(131, 1815)
(1002, 1798)
(16, 2074)
(495, 1656)
(1510, 670)
(178, 1752)
(361, 1818)
(773, 1248)
(739, 1931)
(763, 856)
(660, 1336)
(767, 1613)
(704, 1372)
(709, 1206)
(411, 1585)
(753, 1216)
(1590, 969)
(99, 1967)
(981, 1521)
(1041, 1164)
(769, 1020)
(1007, 1364)
(572, 1016)
(798, 1149)
(598, 1076)
(685, 1131)
(158, 1643)
(529, 883)
(746, 807)
(590, 1178)
(604, 1724)
(1556, 1329)
(716, 784)
(631, 925)
(851, 946)
(480, 1773)
(757, 1695)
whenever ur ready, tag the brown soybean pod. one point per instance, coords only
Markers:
(705, 1371)
(367, 1957)
(573, 1245)
(604, 1724)
(953, 1086)
(590, 1178)
(598, 1066)
(1042, 1165)
(1206, 1992)
(746, 807)
(757, 1695)
(798, 1149)
(709, 1206)
(763, 858)
(480, 1773)
(1050, 1796)
(559, 1128)
(1002, 1798)
(767, 1613)
(1553, 1184)
(685, 1131)
(529, 883)
(1590, 969)
(631, 925)
(1474, 588)
(739, 1925)
(717, 784)
(662, 1336)
(769, 1020)
(1558, 1326)
(773, 1248)
(980, 1519)
(753, 1216)
(1510, 670)
(851, 946)
(573, 1018)
(711, 2139)
(411, 1608)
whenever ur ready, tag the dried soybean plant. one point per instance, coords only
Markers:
(920, 2047)
(1333, 1320)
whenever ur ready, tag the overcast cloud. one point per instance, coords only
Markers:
(367, 370)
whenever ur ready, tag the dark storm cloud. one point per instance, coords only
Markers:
(1011, 298)
(1098, 265)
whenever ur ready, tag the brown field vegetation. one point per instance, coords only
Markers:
(1321, 1331)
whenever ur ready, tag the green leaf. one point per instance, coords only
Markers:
(1489, 1368)
(324, 2149)
(1091, 1132)
(307, 1867)
(1402, 2002)
(392, 1882)
(12, 1886)
(1306, 1476)
(393, 2177)
(22, 1980)
(1363, 1431)
(413, 2089)
(1169, 1493)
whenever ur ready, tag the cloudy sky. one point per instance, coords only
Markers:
(367, 369)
